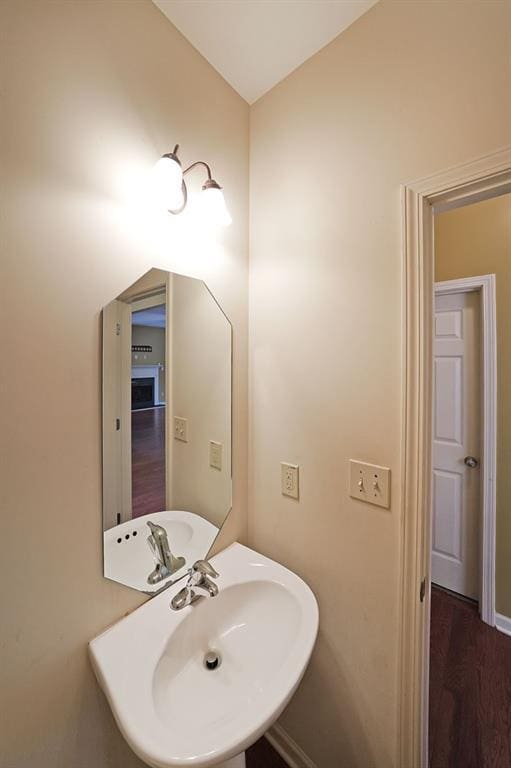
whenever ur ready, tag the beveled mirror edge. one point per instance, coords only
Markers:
(232, 415)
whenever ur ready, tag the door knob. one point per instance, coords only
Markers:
(471, 462)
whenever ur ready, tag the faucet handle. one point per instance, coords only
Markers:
(205, 568)
(183, 598)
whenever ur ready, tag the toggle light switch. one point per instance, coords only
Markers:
(370, 482)
(215, 454)
(180, 429)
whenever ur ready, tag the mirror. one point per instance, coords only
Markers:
(167, 359)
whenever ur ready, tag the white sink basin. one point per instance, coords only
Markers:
(127, 556)
(173, 711)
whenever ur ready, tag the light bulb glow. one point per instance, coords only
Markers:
(166, 181)
(213, 210)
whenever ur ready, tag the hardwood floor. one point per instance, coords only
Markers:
(262, 755)
(470, 688)
(148, 461)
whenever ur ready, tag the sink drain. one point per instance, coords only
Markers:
(212, 660)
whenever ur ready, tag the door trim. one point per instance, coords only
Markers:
(485, 286)
(483, 178)
(503, 623)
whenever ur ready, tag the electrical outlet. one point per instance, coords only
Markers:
(215, 454)
(180, 429)
(369, 482)
(289, 480)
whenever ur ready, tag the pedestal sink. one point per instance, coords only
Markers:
(257, 633)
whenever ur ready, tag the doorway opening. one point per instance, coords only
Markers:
(470, 662)
(148, 371)
(457, 188)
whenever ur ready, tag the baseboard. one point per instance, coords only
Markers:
(503, 623)
(288, 749)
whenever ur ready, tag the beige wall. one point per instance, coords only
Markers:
(147, 334)
(201, 393)
(476, 240)
(411, 88)
(91, 94)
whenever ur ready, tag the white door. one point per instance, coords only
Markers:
(456, 443)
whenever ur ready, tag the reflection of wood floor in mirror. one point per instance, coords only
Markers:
(470, 688)
(148, 461)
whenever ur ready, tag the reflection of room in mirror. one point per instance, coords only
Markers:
(148, 329)
(167, 350)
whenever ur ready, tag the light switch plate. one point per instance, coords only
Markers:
(180, 429)
(215, 454)
(289, 474)
(370, 482)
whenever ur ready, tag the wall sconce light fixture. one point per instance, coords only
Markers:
(171, 191)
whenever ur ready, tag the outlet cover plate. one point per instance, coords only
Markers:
(289, 478)
(370, 483)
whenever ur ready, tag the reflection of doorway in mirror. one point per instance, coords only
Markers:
(148, 406)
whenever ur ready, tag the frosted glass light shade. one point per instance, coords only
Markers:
(213, 210)
(166, 181)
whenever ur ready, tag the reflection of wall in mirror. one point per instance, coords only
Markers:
(476, 240)
(201, 393)
(155, 337)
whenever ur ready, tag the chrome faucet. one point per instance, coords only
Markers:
(199, 578)
(166, 562)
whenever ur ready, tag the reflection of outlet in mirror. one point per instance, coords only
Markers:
(180, 429)
(289, 480)
(215, 454)
(370, 482)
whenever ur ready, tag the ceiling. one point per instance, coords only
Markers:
(254, 44)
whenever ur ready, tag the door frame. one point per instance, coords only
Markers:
(116, 414)
(486, 177)
(484, 285)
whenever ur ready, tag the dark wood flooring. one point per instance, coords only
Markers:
(148, 461)
(470, 688)
(262, 755)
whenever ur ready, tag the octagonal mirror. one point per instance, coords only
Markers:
(167, 359)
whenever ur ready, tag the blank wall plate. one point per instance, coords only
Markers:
(180, 429)
(370, 482)
(289, 480)
(215, 454)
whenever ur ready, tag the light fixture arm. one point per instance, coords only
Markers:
(194, 165)
(210, 182)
